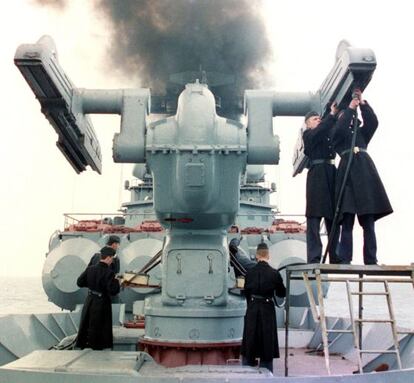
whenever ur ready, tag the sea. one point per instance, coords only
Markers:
(25, 295)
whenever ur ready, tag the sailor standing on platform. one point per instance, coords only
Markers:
(260, 329)
(320, 182)
(364, 194)
(95, 329)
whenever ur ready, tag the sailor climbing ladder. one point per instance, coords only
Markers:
(365, 274)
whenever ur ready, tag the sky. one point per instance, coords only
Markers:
(38, 185)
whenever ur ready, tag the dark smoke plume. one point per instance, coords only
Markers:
(156, 38)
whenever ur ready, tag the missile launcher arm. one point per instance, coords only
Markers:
(353, 68)
(39, 65)
(67, 108)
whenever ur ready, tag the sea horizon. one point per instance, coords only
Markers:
(25, 295)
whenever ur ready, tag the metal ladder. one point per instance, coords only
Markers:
(357, 323)
(319, 315)
(384, 274)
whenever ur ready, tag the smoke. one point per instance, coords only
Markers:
(151, 40)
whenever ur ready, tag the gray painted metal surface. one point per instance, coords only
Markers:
(194, 162)
(110, 366)
(63, 266)
(28, 333)
(40, 67)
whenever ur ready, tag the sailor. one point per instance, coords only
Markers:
(260, 329)
(240, 258)
(113, 242)
(364, 194)
(320, 182)
(95, 329)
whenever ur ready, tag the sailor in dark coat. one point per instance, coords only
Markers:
(364, 194)
(320, 182)
(260, 328)
(95, 329)
(113, 242)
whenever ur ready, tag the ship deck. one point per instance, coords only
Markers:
(87, 366)
(305, 362)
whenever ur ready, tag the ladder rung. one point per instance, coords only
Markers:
(405, 332)
(369, 293)
(365, 280)
(375, 320)
(379, 351)
(340, 331)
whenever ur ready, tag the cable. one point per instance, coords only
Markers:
(334, 227)
(236, 264)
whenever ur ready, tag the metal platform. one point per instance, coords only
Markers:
(384, 274)
(388, 270)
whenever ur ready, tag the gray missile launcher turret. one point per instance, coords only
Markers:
(199, 182)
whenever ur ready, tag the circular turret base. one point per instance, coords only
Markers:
(175, 354)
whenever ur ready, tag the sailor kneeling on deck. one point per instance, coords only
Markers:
(95, 329)
(260, 328)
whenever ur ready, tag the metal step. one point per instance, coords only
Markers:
(375, 320)
(378, 351)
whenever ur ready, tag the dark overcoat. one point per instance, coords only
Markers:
(114, 266)
(260, 329)
(95, 329)
(364, 192)
(320, 181)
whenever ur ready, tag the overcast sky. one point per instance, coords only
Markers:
(38, 185)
